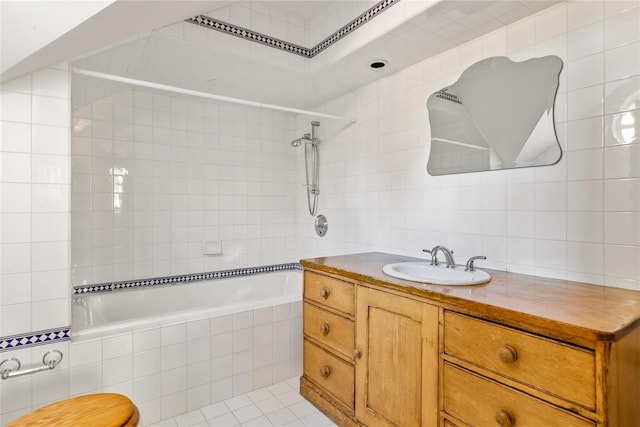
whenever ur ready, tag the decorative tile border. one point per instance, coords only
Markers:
(256, 37)
(247, 34)
(32, 339)
(442, 93)
(171, 280)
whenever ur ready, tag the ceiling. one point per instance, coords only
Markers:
(405, 34)
(39, 33)
(304, 9)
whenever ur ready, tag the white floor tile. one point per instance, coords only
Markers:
(215, 410)
(294, 383)
(280, 388)
(277, 405)
(226, 420)
(317, 419)
(302, 409)
(238, 402)
(247, 413)
(281, 417)
(190, 418)
(290, 398)
(260, 395)
(269, 405)
(166, 423)
(258, 422)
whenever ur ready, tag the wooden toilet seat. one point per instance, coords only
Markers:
(92, 410)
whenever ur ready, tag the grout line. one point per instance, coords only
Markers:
(270, 416)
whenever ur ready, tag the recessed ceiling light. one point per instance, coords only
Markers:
(377, 63)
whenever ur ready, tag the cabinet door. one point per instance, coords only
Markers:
(397, 372)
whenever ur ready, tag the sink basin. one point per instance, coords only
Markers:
(424, 272)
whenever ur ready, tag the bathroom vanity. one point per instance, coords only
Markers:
(518, 351)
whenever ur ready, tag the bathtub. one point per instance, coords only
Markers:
(191, 344)
(102, 314)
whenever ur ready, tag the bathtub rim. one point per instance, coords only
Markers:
(151, 322)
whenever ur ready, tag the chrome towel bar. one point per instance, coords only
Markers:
(10, 368)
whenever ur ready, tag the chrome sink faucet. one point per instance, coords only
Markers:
(470, 266)
(448, 256)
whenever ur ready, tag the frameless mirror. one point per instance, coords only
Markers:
(498, 115)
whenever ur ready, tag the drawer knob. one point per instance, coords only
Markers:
(507, 354)
(325, 292)
(325, 372)
(504, 418)
(324, 329)
(357, 353)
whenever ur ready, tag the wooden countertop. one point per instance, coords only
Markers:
(569, 310)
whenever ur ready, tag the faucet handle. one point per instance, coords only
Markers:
(470, 266)
(434, 255)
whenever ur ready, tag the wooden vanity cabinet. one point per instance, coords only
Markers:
(328, 379)
(389, 376)
(397, 369)
(385, 353)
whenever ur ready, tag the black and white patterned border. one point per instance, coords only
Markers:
(171, 280)
(32, 339)
(256, 37)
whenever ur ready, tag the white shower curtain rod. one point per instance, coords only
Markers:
(189, 92)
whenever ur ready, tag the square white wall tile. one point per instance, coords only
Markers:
(51, 82)
(16, 137)
(50, 111)
(582, 14)
(16, 167)
(15, 107)
(622, 28)
(615, 95)
(622, 62)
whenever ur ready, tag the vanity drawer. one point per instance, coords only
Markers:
(331, 373)
(557, 368)
(329, 329)
(331, 292)
(479, 402)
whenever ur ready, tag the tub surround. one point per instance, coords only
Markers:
(49, 336)
(106, 314)
(549, 351)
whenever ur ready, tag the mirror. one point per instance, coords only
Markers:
(497, 115)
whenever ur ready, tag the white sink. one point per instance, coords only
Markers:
(424, 272)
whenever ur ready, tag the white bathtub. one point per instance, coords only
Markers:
(101, 314)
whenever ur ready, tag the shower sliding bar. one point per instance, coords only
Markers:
(189, 92)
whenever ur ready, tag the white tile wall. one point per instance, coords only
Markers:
(34, 212)
(577, 220)
(155, 175)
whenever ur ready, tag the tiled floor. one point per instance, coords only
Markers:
(276, 405)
